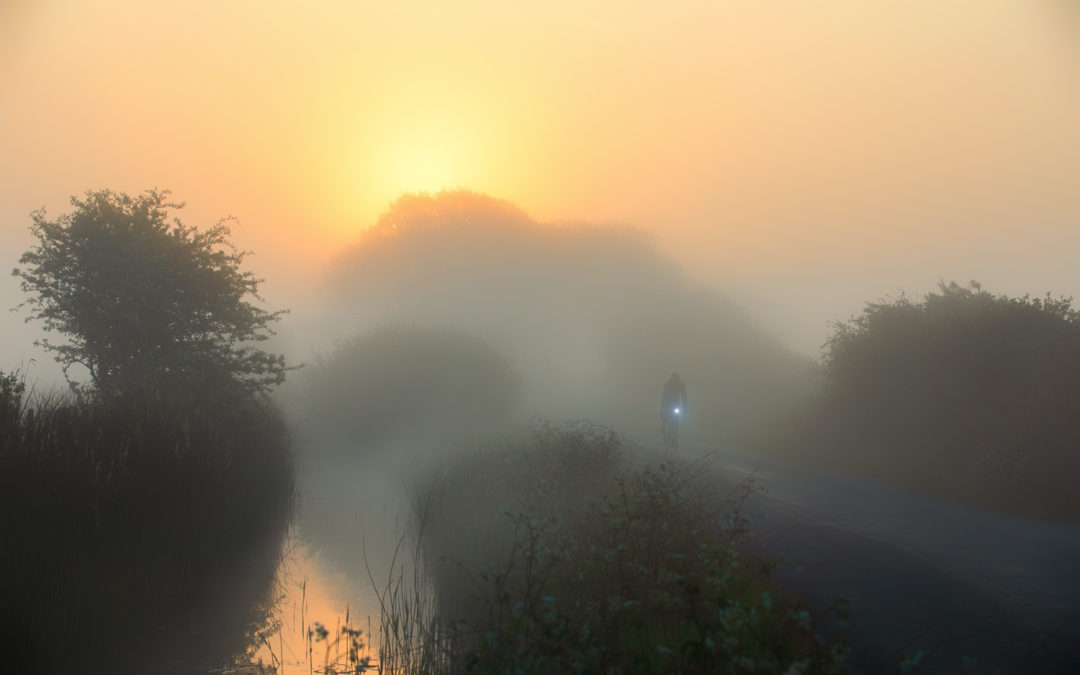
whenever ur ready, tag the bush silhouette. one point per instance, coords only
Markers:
(968, 394)
(553, 552)
(421, 382)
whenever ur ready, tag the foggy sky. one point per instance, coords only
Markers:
(800, 157)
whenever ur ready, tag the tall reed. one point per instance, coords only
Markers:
(140, 535)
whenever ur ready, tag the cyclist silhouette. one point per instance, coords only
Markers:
(672, 409)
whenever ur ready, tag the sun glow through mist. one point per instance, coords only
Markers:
(418, 162)
(766, 144)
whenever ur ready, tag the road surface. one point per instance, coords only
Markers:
(922, 574)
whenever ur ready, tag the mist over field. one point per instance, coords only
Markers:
(488, 338)
(470, 319)
(470, 390)
(593, 319)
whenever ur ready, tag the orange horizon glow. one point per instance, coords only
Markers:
(765, 143)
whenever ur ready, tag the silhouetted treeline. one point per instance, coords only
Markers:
(139, 535)
(966, 394)
(594, 318)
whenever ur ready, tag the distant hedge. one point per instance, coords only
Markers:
(408, 380)
(967, 394)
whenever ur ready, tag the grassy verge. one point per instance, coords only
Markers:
(551, 554)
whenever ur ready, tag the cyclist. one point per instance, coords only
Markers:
(672, 408)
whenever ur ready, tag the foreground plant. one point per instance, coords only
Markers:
(597, 567)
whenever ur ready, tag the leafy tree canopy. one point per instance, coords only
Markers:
(145, 301)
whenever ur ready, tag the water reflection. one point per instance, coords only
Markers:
(316, 596)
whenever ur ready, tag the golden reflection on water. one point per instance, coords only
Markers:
(313, 593)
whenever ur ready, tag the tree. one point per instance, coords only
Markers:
(146, 302)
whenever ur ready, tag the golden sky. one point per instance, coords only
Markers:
(806, 156)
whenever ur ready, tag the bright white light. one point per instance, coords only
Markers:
(676, 411)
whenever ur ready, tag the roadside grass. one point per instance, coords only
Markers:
(138, 535)
(551, 553)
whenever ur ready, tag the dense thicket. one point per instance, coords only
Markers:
(552, 553)
(966, 393)
(138, 536)
(594, 318)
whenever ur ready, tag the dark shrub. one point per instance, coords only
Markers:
(551, 554)
(967, 394)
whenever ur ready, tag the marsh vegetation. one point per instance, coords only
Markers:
(162, 488)
(138, 534)
(143, 511)
(564, 549)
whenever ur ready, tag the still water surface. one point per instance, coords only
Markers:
(350, 519)
(314, 591)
